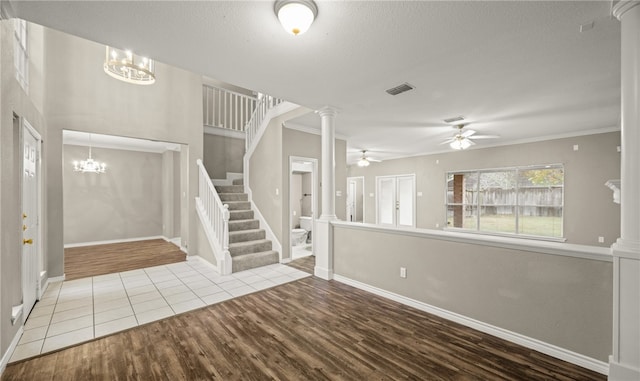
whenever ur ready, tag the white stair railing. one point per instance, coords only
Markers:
(227, 109)
(215, 219)
(265, 103)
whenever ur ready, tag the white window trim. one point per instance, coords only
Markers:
(21, 52)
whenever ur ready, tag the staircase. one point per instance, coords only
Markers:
(247, 244)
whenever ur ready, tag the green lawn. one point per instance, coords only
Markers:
(540, 226)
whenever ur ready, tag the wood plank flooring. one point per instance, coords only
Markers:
(87, 261)
(309, 329)
(306, 264)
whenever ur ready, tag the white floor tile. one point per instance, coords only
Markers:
(252, 279)
(67, 339)
(199, 284)
(132, 273)
(150, 305)
(48, 301)
(35, 334)
(282, 279)
(136, 283)
(42, 310)
(111, 304)
(244, 290)
(141, 290)
(24, 351)
(106, 277)
(66, 326)
(207, 290)
(232, 284)
(180, 297)
(141, 298)
(174, 290)
(298, 275)
(153, 315)
(187, 305)
(263, 285)
(108, 295)
(159, 278)
(71, 314)
(113, 314)
(35, 322)
(73, 304)
(169, 284)
(216, 298)
(115, 326)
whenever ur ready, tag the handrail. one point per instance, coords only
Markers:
(227, 109)
(216, 218)
(265, 103)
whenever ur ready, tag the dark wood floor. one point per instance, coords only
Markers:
(309, 329)
(305, 264)
(86, 261)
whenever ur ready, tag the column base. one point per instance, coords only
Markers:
(622, 372)
(323, 237)
(626, 249)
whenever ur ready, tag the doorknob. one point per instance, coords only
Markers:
(24, 227)
(27, 241)
(24, 215)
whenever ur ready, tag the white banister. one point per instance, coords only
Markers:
(227, 109)
(215, 219)
(265, 103)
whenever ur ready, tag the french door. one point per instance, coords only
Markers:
(396, 201)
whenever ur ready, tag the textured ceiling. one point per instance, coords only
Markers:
(518, 69)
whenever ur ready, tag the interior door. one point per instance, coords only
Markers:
(396, 201)
(351, 201)
(30, 219)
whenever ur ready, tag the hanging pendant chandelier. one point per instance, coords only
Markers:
(129, 67)
(89, 165)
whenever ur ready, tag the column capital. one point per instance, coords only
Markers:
(327, 111)
(622, 6)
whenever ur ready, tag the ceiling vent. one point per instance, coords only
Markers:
(400, 89)
(454, 119)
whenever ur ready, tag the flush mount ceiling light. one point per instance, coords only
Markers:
(129, 67)
(296, 16)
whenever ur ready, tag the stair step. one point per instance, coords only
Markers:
(246, 235)
(249, 247)
(230, 188)
(253, 260)
(238, 205)
(233, 196)
(240, 215)
(238, 182)
(239, 225)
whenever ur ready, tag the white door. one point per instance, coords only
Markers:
(351, 201)
(30, 218)
(396, 201)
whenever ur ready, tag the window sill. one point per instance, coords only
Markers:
(508, 235)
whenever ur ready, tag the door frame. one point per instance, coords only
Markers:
(361, 178)
(26, 127)
(413, 190)
(314, 202)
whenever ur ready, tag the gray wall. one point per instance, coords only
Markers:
(125, 202)
(80, 96)
(564, 301)
(589, 211)
(222, 154)
(307, 188)
(14, 100)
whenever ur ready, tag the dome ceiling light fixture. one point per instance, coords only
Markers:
(129, 67)
(296, 16)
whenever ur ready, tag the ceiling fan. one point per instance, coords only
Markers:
(366, 160)
(463, 140)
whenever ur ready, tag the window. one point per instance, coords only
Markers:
(21, 53)
(524, 201)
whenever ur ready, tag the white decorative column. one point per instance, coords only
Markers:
(322, 232)
(624, 364)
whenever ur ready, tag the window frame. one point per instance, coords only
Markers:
(517, 206)
(21, 53)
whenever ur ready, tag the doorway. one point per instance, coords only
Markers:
(355, 199)
(31, 215)
(303, 185)
(395, 200)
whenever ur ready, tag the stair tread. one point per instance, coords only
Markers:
(239, 232)
(249, 243)
(259, 253)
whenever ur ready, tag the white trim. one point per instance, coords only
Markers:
(545, 247)
(285, 260)
(525, 341)
(622, 372)
(226, 132)
(364, 195)
(315, 189)
(197, 258)
(56, 279)
(12, 347)
(81, 244)
(310, 130)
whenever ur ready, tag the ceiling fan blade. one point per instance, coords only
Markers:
(485, 137)
(471, 142)
(453, 139)
(468, 133)
(373, 160)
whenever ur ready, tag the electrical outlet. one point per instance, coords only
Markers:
(403, 272)
(419, 194)
(437, 225)
(600, 239)
(576, 147)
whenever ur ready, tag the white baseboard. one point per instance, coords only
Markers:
(622, 372)
(55, 279)
(68, 245)
(9, 352)
(285, 260)
(525, 341)
(325, 274)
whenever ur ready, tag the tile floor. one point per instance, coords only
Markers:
(79, 310)
(301, 251)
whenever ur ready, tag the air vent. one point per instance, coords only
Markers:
(400, 89)
(454, 119)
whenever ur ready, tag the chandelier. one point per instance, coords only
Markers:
(129, 67)
(89, 165)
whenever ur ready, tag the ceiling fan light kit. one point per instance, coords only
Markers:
(463, 140)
